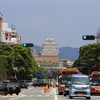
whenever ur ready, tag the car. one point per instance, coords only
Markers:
(66, 88)
(40, 82)
(9, 88)
(30, 83)
(79, 86)
(24, 85)
(56, 82)
(95, 86)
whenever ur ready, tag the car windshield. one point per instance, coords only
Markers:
(65, 79)
(80, 81)
(12, 84)
(95, 81)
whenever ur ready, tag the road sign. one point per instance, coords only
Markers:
(40, 73)
(88, 37)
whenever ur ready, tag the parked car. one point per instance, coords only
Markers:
(40, 82)
(30, 83)
(24, 85)
(56, 82)
(9, 88)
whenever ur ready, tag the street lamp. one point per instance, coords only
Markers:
(50, 73)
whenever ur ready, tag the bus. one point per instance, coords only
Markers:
(64, 77)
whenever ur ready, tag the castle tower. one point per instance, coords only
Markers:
(50, 51)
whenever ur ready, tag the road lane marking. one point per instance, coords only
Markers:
(27, 89)
(42, 91)
(31, 95)
(56, 97)
(16, 98)
(47, 95)
(39, 95)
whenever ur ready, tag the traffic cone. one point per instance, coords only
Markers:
(46, 89)
(54, 85)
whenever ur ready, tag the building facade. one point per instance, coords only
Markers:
(8, 35)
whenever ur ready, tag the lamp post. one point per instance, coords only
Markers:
(50, 73)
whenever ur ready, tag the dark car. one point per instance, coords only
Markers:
(66, 88)
(9, 88)
(24, 85)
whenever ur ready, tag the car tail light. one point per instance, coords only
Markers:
(7, 87)
(62, 86)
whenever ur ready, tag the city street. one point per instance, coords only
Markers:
(37, 93)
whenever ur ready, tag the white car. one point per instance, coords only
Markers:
(56, 83)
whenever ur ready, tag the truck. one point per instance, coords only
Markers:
(95, 79)
(95, 74)
(63, 78)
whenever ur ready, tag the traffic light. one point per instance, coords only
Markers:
(88, 37)
(27, 44)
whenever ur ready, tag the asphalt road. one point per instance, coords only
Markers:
(37, 93)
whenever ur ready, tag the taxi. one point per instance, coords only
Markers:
(95, 87)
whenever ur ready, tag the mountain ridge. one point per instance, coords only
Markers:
(65, 52)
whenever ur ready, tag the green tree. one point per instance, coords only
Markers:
(20, 57)
(89, 57)
(3, 69)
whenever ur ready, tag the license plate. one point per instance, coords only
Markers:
(14, 88)
(80, 94)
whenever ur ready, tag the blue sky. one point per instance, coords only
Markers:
(65, 20)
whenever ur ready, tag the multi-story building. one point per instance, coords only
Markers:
(8, 35)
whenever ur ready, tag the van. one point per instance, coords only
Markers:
(79, 86)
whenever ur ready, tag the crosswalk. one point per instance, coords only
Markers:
(23, 95)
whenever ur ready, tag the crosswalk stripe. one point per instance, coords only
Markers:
(25, 95)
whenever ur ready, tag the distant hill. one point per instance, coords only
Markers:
(69, 52)
(65, 52)
(38, 48)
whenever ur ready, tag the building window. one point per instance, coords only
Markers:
(39, 60)
(6, 38)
